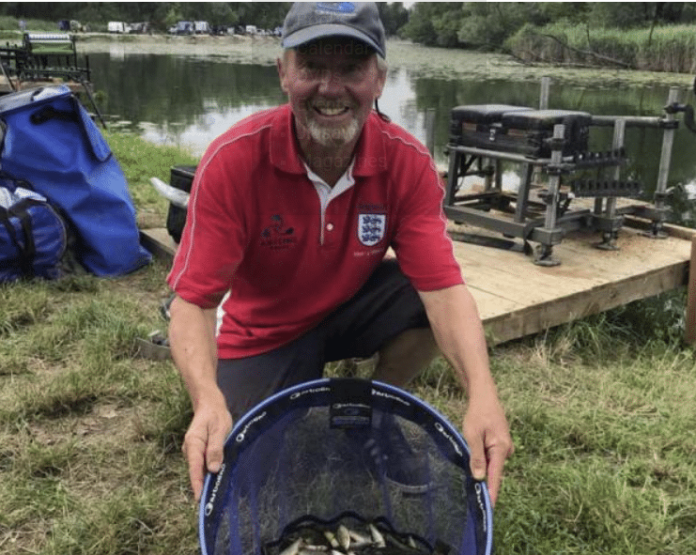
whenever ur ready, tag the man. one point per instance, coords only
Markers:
(293, 210)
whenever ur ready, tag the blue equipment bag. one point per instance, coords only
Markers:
(33, 237)
(51, 141)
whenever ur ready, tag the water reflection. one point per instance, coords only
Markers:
(187, 101)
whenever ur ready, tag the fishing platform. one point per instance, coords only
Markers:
(574, 239)
(43, 59)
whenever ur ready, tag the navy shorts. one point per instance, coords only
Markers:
(383, 308)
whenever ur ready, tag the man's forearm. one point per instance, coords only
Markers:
(193, 346)
(459, 333)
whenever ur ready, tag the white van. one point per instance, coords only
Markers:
(201, 27)
(118, 27)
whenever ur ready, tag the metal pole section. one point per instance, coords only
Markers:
(544, 97)
(631, 121)
(609, 239)
(619, 134)
(543, 105)
(555, 178)
(545, 251)
(430, 130)
(665, 159)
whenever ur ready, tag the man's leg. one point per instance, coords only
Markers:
(248, 381)
(386, 317)
(405, 356)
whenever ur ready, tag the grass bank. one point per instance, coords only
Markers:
(602, 413)
(666, 48)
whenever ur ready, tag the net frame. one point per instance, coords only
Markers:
(350, 401)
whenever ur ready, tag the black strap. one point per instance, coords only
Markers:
(27, 253)
(49, 113)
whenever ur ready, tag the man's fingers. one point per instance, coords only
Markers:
(214, 450)
(496, 461)
(203, 446)
(477, 457)
(194, 451)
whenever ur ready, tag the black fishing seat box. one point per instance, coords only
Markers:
(479, 125)
(180, 177)
(529, 132)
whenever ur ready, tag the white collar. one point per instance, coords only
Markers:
(345, 182)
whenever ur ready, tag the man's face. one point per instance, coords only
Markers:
(331, 85)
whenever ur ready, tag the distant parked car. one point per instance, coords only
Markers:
(182, 28)
(140, 27)
(222, 30)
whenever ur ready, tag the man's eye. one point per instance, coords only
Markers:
(311, 70)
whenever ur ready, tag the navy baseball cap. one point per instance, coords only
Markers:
(309, 21)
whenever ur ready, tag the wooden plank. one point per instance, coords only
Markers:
(690, 320)
(539, 317)
(159, 243)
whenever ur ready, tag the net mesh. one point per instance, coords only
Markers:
(403, 470)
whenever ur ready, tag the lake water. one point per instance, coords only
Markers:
(187, 96)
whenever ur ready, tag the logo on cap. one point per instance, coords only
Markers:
(336, 7)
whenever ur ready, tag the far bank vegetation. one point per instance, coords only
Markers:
(668, 48)
(651, 36)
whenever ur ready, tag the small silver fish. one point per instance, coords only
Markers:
(377, 537)
(293, 548)
(331, 538)
(358, 540)
(343, 537)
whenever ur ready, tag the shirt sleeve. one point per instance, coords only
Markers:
(423, 248)
(214, 239)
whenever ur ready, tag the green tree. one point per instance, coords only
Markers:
(393, 15)
(434, 23)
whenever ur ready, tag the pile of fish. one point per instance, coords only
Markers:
(364, 539)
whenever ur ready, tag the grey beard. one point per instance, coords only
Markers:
(332, 137)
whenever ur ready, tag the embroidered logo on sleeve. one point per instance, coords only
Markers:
(371, 228)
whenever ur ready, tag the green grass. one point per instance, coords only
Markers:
(601, 411)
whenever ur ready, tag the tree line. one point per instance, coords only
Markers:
(161, 15)
(487, 25)
(481, 25)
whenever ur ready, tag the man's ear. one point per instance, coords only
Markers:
(381, 82)
(282, 74)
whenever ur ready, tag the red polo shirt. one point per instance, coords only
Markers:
(256, 226)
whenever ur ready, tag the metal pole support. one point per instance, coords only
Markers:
(663, 171)
(609, 237)
(545, 252)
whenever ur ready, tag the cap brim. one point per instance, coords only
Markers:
(316, 32)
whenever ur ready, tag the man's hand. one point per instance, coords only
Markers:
(458, 330)
(488, 436)
(204, 442)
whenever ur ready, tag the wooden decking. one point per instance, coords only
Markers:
(518, 298)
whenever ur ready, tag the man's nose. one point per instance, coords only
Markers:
(330, 81)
